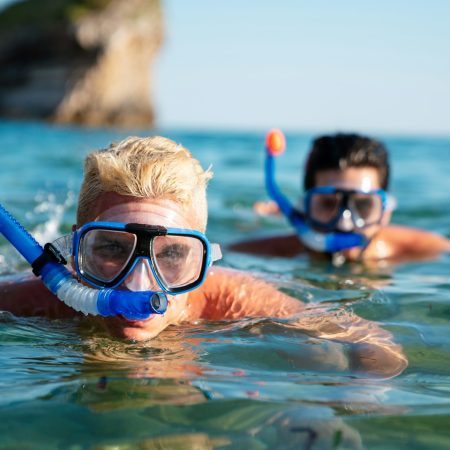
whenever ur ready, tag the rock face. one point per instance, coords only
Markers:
(79, 61)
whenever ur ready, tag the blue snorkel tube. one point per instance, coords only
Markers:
(48, 263)
(331, 242)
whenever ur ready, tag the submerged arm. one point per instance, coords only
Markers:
(229, 294)
(371, 348)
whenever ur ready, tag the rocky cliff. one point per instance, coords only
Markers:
(79, 61)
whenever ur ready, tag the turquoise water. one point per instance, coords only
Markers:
(227, 384)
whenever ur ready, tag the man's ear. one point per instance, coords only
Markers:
(74, 227)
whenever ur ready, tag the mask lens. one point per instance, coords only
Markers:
(103, 254)
(367, 208)
(178, 259)
(324, 208)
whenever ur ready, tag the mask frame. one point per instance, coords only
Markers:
(145, 234)
(345, 205)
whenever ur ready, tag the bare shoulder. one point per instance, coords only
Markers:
(401, 241)
(284, 245)
(25, 295)
(233, 294)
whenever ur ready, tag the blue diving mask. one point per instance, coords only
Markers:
(324, 208)
(328, 208)
(107, 254)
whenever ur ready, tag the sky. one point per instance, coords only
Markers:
(378, 66)
(323, 65)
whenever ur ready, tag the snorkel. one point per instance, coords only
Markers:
(48, 264)
(329, 242)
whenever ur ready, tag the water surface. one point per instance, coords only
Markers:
(66, 384)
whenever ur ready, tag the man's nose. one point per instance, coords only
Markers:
(141, 278)
(345, 222)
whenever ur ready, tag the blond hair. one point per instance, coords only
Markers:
(152, 167)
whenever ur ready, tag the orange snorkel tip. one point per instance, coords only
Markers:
(275, 142)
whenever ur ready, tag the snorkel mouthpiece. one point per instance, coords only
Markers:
(47, 265)
(342, 241)
(132, 305)
(329, 242)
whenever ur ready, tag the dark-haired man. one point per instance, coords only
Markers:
(346, 193)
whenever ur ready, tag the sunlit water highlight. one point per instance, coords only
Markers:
(66, 384)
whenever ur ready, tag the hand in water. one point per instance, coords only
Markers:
(266, 208)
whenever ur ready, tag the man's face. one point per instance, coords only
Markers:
(111, 207)
(357, 178)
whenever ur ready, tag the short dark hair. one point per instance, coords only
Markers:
(342, 150)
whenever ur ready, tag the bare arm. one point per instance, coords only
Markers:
(283, 246)
(394, 242)
(407, 243)
(25, 295)
(231, 294)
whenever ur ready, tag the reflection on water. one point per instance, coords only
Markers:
(250, 384)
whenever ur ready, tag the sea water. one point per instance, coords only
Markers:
(225, 384)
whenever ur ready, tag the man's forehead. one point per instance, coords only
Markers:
(111, 206)
(365, 178)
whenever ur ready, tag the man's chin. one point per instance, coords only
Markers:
(139, 330)
(138, 334)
